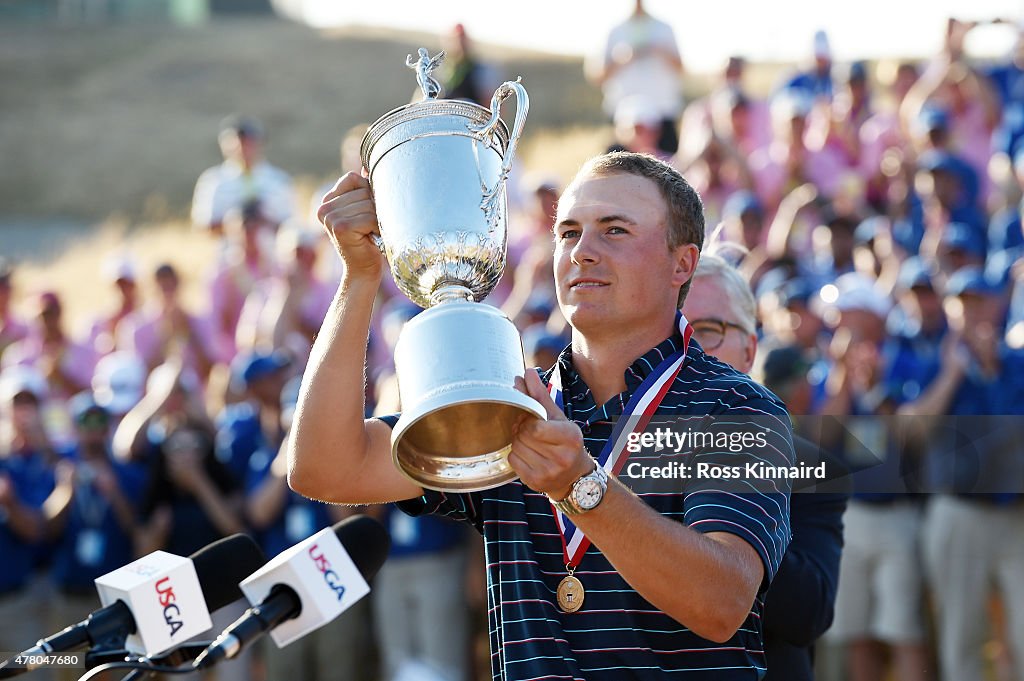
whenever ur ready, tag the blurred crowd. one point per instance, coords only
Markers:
(875, 210)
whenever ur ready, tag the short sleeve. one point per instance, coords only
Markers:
(464, 507)
(755, 509)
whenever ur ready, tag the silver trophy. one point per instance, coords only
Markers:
(437, 171)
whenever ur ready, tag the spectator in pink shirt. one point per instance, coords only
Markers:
(286, 310)
(246, 264)
(789, 162)
(167, 330)
(65, 364)
(120, 271)
(882, 132)
(12, 329)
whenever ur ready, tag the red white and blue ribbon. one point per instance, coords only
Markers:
(637, 413)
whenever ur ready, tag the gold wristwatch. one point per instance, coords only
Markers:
(586, 493)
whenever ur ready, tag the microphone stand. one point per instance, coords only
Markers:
(186, 652)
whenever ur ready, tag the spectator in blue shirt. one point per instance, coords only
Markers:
(281, 518)
(91, 516)
(26, 480)
(974, 532)
(255, 423)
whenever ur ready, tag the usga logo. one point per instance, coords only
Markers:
(172, 612)
(330, 576)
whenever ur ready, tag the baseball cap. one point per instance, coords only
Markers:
(933, 118)
(85, 409)
(971, 280)
(742, 202)
(243, 126)
(119, 381)
(783, 364)
(854, 291)
(796, 291)
(18, 379)
(120, 267)
(868, 229)
(913, 272)
(636, 110)
(256, 365)
(536, 338)
(822, 49)
(961, 236)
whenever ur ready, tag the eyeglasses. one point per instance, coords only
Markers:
(710, 333)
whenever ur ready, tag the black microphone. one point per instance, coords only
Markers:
(219, 566)
(311, 571)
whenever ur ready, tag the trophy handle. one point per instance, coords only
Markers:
(485, 132)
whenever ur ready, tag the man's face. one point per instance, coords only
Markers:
(613, 268)
(716, 325)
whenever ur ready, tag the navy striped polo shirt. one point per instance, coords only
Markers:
(618, 634)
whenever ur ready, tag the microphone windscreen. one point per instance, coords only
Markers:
(366, 541)
(221, 565)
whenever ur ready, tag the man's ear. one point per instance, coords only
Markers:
(686, 257)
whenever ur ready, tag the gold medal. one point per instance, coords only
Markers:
(570, 594)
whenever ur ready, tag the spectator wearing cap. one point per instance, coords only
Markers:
(833, 243)
(254, 424)
(743, 220)
(243, 176)
(959, 246)
(850, 109)
(287, 309)
(121, 272)
(641, 58)
(247, 263)
(26, 480)
(916, 329)
(91, 515)
(12, 329)
(731, 112)
(166, 330)
(881, 135)
(971, 104)
(949, 191)
(280, 518)
(717, 170)
(789, 162)
(541, 347)
(874, 251)
(969, 416)
(816, 81)
(879, 604)
(173, 396)
(638, 127)
(66, 364)
(790, 320)
(118, 384)
(798, 605)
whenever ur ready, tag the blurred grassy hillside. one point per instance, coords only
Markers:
(121, 119)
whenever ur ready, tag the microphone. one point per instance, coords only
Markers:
(153, 603)
(305, 587)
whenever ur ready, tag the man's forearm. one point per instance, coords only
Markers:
(703, 583)
(330, 411)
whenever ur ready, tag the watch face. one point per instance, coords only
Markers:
(588, 494)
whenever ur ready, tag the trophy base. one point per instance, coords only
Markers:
(459, 441)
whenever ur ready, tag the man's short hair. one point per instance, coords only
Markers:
(741, 298)
(684, 210)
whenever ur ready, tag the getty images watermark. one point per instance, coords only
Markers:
(758, 452)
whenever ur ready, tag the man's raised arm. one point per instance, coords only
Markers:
(333, 454)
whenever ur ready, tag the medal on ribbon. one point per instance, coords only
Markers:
(638, 412)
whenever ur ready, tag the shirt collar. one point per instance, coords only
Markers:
(635, 373)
